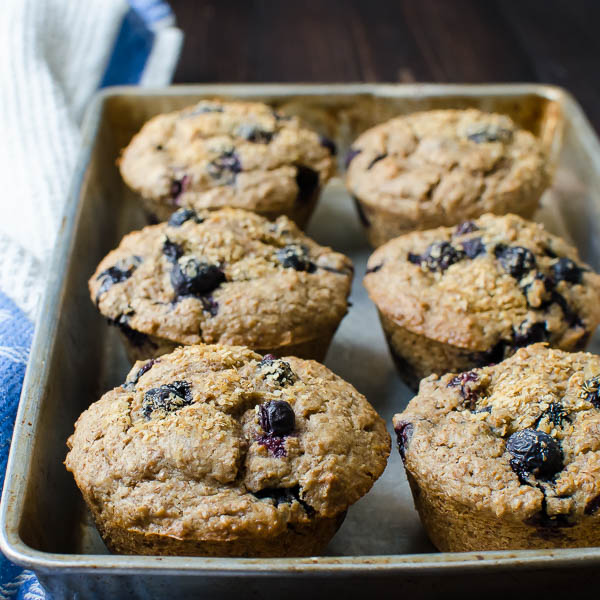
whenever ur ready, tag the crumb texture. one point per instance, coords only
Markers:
(513, 447)
(217, 154)
(227, 276)
(487, 286)
(218, 444)
(441, 167)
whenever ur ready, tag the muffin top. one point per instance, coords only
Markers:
(519, 439)
(227, 276)
(445, 162)
(215, 154)
(488, 285)
(218, 443)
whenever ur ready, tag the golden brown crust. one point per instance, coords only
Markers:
(454, 436)
(217, 154)
(441, 167)
(260, 299)
(197, 465)
(476, 303)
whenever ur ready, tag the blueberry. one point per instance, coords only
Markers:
(307, 180)
(571, 317)
(555, 414)
(295, 256)
(590, 391)
(524, 336)
(404, 431)
(592, 506)
(210, 305)
(166, 398)
(469, 395)
(191, 277)
(255, 134)
(284, 496)
(178, 187)
(534, 452)
(145, 368)
(566, 270)
(516, 260)
(441, 255)
(225, 168)
(277, 370)
(352, 154)
(549, 285)
(129, 385)
(466, 227)
(179, 217)
(329, 144)
(277, 418)
(493, 356)
(120, 272)
(491, 134)
(172, 250)
(463, 378)
(415, 259)
(136, 338)
(274, 444)
(473, 247)
(278, 495)
(376, 160)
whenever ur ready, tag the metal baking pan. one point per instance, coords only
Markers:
(75, 358)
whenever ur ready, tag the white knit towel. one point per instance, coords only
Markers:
(53, 54)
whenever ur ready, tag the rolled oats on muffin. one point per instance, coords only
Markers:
(507, 457)
(217, 451)
(442, 167)
(239, 154)
(454, 298)
(227, 276)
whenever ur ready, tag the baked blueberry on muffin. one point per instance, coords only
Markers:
(443, 167)
(507, 456)
(239, 154)
(218, 451)
(455, 298)
(227, 276)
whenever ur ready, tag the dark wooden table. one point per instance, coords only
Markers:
(469, 41)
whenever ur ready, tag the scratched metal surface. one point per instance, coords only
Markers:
(76, 357)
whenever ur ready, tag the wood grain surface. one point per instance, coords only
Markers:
(459, 41)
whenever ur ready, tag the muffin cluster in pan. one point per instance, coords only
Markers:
(227, 438)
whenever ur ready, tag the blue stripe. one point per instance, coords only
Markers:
(125, 66)
(131, 51)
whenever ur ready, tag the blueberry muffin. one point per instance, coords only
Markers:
(443, 167)
(217, 154)
(454, 298)
(228, 277)
(218, 451)
(507, 457)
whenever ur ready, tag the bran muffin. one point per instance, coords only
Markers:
(455, 298)
(215, 450)
(240, 154)
(507, 457)
(227, 276)
(443, 167)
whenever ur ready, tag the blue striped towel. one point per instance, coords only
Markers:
(84, 46)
